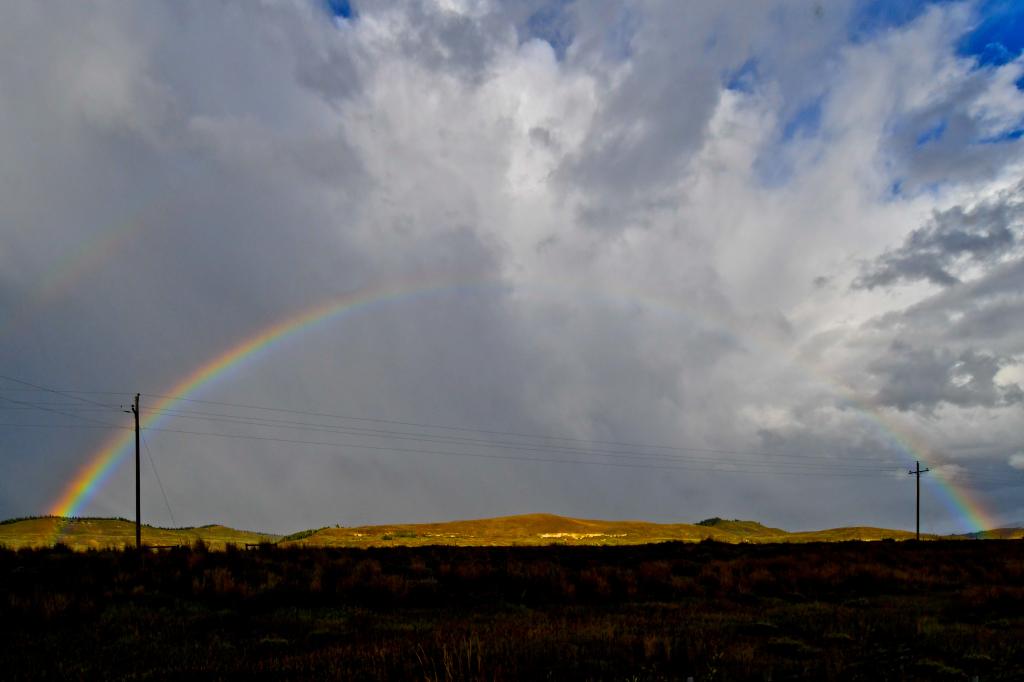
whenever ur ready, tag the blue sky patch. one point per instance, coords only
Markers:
(932, 134)
(552, 25)
(805, 122)
(774, 165)
(1020, 83)
(340, 9)
(744, 78)
(998, 38)
(1006, 136)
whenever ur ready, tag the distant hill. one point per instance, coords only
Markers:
(743, 528)
(996, 534)
(526, 529)
(545, 529)
(87, 533)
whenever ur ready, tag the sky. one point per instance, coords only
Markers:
(607, 259)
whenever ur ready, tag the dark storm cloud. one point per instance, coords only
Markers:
(983, 311)
(922, 378)
(182, 213)
(949, 348)
(953, 240)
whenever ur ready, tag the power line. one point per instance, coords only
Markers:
(396, 422)
(156, 474)
(64, 406)
(21, 425)
(452, 439)
(60, 412)
(66, 394)
(432, 438)
(377, 448)
(76, 391)
(823, 465)
(728, 468)
(264, 421)
(355, 430)
(439, 438)
(964, 477)
(824, 461)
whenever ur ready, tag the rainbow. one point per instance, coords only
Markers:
(86, 258)
(99, 467)
(958, 499)
(90, 478)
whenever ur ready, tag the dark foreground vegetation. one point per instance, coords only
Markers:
(866, 611)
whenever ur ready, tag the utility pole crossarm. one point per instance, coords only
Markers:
(917, 471)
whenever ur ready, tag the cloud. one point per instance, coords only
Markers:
(1017, 460)
(922, 378)
(616, 222)
(953, 240)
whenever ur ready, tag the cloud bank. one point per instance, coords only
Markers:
(781, 240)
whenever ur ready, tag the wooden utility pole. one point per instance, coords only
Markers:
(138, 504)
(917, 471)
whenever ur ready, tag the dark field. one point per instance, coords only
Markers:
(868, 611)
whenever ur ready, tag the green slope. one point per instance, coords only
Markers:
(84, 534)
(996, 534)
(546, 529)
(526, 529)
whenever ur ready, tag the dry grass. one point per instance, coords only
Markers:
(829, 611)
